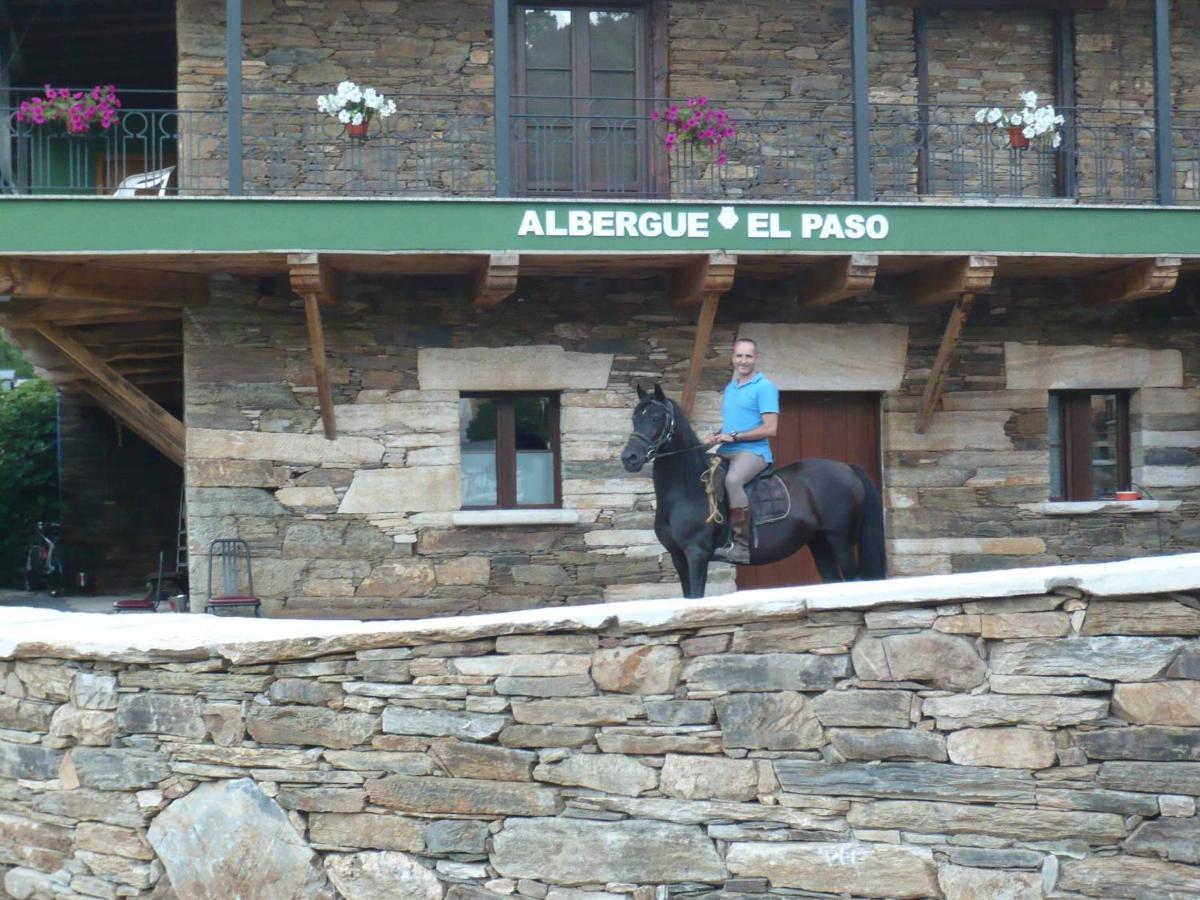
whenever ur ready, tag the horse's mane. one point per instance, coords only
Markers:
(692, 463)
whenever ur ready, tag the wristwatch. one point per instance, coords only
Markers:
(733, 434)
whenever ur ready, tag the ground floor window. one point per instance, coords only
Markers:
(509, 446)
(1089, 444)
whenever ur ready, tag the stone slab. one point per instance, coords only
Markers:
(564, 851)
(845, 868)
(535, 367)
(1076, 367)
(842, 357)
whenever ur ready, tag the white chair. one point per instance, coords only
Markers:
(145, 183)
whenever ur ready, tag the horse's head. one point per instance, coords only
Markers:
(653, 428)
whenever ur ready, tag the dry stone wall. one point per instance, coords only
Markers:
(1029, 734)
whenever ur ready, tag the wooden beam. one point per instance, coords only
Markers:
(950, 280)
(101, 284)
(142, 415)
(73, 312)
(314, 280)
(709, 274)
(1145, 278)
(704, 324)
(838, 279)
(311, 274)
(316, 338)
(941, 364)
(496, 279)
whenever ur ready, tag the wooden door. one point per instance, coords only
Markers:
(842, 426)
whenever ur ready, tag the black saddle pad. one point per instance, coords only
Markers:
(769, 499)
(768, 495)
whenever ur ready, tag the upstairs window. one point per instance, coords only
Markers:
(1089, 444)
(580, 115)
(509, 445)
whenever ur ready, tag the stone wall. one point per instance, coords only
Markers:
(1026, 734)
(783, 73)
(367, 524)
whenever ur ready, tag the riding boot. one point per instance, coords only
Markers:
(738, 548)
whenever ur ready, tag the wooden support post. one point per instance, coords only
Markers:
(316, 283)
(144, 417)
(100, 284)
(838, 279)
(702, 281)
(316, 339)
(950, 280)
(941, 364)
(704, 325)
(1145, 278)
(496, 279)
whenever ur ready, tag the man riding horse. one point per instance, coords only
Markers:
(749, 415)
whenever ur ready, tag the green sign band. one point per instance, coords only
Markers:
(41, 225)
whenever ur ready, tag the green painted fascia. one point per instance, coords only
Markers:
(61, 225)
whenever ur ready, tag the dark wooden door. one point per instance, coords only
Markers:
(842, 426)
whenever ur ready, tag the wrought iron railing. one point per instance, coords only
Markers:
(440, 145)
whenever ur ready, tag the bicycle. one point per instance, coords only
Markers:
(43, 561)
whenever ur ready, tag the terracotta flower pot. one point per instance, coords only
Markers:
(1016, 138)
(1128, 495)
(357, 131)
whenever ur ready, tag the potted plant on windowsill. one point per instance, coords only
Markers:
(355, 106)
(1025, 124)
(78, 112)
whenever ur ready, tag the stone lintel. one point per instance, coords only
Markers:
(807, 357)
(544, 367)
(1080, 367)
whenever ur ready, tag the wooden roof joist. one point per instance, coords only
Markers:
(838, 279)
(41, 279)
(496, 279)
(1145, 278)
(711, 273)
(949, 280)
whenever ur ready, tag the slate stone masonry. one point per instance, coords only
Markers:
(948, 737)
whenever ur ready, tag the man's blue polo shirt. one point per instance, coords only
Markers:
(742, 410)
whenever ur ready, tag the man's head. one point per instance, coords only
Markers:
(745, 357)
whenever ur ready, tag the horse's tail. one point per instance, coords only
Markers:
(872, 555)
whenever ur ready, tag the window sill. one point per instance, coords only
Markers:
(490, 518)
(1088, 507)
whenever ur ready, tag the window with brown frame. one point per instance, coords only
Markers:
(509, 445)
(1089, 444)
(580, 113)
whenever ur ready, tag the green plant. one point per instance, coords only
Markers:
(28, 470)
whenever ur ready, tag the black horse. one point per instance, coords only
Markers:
(835, 508)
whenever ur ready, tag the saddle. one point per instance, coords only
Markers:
(769, 498)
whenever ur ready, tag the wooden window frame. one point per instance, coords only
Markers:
(506, 446)
(1075, 435)
(651, 82)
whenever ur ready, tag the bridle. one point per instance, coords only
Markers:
(666, 433)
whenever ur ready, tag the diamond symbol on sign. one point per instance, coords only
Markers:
(728, 218)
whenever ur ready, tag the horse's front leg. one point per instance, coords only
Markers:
(697, 564)
(682, 569)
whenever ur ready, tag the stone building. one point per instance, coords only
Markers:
(405, 364)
